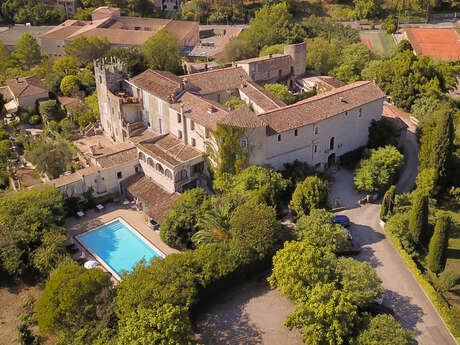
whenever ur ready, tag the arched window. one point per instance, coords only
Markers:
(150, 162)
(331, 144)
(160, 168)
(168, 174)
(141, 156)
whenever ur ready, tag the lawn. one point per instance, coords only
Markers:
(380, 43)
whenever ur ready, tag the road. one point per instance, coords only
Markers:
(402, 291)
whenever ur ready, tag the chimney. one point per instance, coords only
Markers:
(342, 100)
(211, 109)
(92, 150)
(184, 84)
(181, 106)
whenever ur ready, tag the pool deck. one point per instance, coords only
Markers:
(136, 219)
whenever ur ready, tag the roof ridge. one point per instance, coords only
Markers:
(263, 92)
(204, 99)
(209, 72)
(322, 95)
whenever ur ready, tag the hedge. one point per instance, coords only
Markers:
(450, 315)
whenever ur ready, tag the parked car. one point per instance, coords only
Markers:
(342, 220)
(348, 232)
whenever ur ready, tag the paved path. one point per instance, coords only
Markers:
(402, 291)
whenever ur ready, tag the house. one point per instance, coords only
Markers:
(120, 31)
(276, 67)
(23, 92)
(438, 44)
(11, 35)
(167, 124)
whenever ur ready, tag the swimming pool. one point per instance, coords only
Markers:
(119, 246)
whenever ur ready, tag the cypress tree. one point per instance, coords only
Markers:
(443, 142)
(438, 244)
(388, 202)
(418, 218)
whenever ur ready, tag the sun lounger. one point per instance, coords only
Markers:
(80, 213)
(100, 207)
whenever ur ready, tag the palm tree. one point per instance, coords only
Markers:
(215, 225)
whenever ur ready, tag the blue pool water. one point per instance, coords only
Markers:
(118, 246)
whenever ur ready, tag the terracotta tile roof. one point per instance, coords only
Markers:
(75, 177)
(168, 150)
(27, 86)
(389, 114)
(440, 44)
(160, 83)
(331, 81)
(116, 36)
(261, 97)
(181, 28)
(159, 201)
(66, 29)
(274, 57)
(243, 117)
(117, 158)
(196, 108)
(320, 107)
(217, 80)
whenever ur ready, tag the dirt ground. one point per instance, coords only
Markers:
(249, 314)
(11, 298)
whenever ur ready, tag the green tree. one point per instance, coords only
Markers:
(31, 231)
(327, 316)
(388, 202)
(181, 221)
(281, 92)
(51, 111)
(162, 52)
(264, 184)
(70, 84)
(165, 324)
(298, 267)
(73, 297)
(66, 65)
(367, 8)
(271, 25)
(27, 51)
(319, 230)
(133, 57)
(234, 102)
(53, 82)
(352, 61)
(438, 244)
(360, 280)
(418, 218)
(377, 172)
(384, 330)
(255, 229)
(322, 55)
(274, 49)
(382, 133)
(239, 49)
(86, 49)
(309, 194)
(51, 157)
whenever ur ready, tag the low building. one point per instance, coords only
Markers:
(11, 35)
(120, 31)
(438, 44)
(23, 92)
(319, 84)
(274, 68)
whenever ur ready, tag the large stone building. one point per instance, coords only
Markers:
(23, 93)
(120, 31)
(168, 122)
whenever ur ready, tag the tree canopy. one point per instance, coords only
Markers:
(281, 92)
(27, 51)
(86, 49)
(309, 194)
(162, 52)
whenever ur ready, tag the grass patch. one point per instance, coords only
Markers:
(382, 43)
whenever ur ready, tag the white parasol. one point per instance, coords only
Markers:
(91, 264)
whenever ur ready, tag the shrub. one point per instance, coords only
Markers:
(34, 120)
(448, 279)
(69, 85)
(385, 330)
(181, 220)
(382, 133)
(379, 170)
(388, 202)
(438, 244)
(311, 193)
